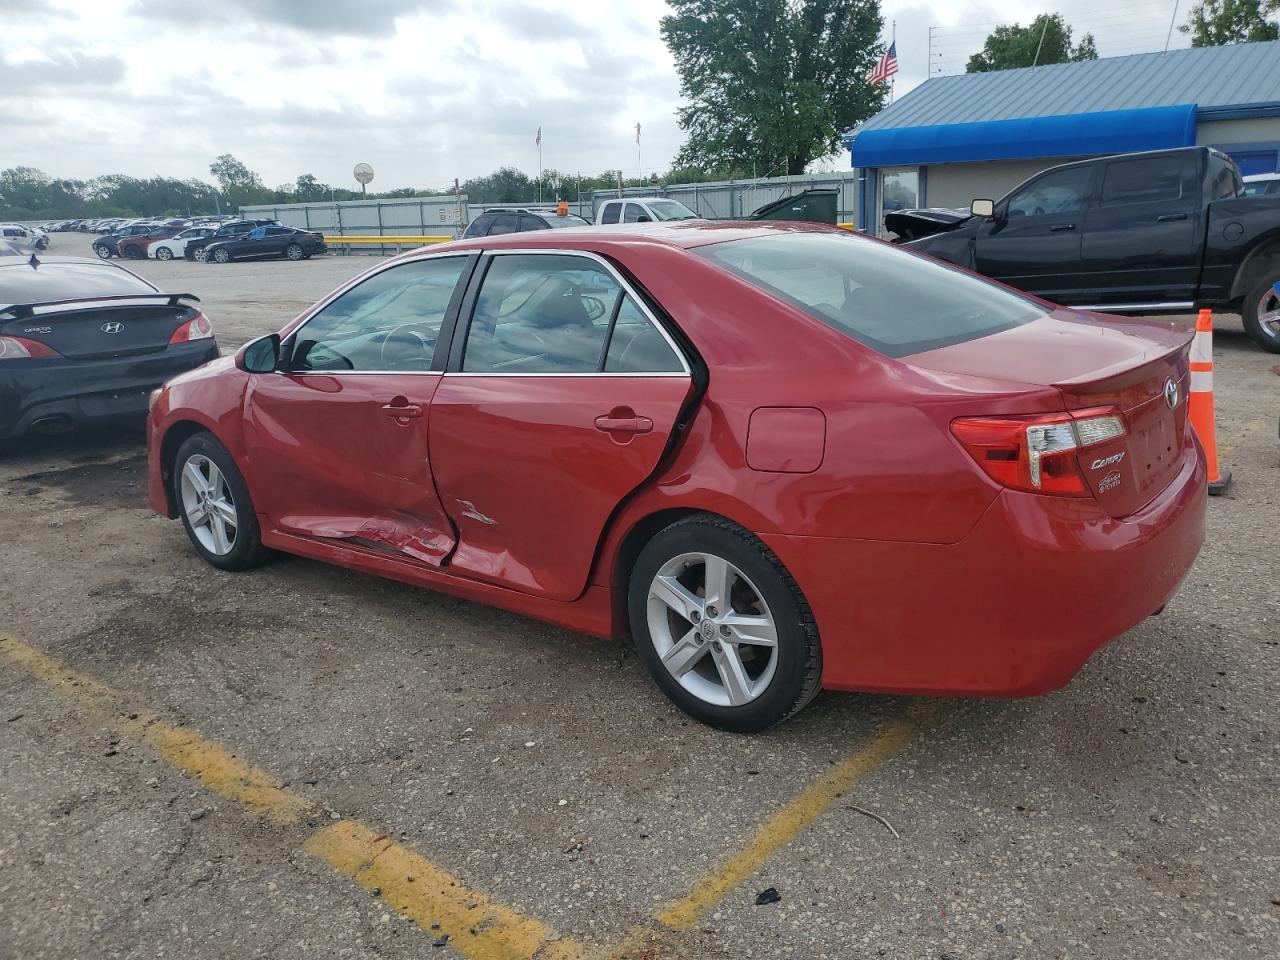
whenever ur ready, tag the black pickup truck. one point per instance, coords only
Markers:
(1167, 231)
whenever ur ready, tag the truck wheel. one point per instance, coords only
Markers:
(1262, 312)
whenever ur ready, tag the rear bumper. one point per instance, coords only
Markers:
(78, 391)
(1014, 609)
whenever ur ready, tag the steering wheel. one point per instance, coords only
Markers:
(594, 306)
(416, 335)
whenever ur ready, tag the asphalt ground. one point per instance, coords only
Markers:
(307, 762)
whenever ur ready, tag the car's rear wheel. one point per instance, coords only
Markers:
(200, 255)
(102, 251)
(221, 256)
(722, 627)
(214, 503)
(1262, 312)
(133, 253)
(293, 251)
(164, 253)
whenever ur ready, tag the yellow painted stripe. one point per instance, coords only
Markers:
(785, 825)
(477, 927)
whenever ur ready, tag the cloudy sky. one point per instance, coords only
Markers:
(424, 90)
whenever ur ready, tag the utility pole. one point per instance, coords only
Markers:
(1043, 30)
(1172, 20)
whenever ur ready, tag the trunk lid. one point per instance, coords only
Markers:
(102, 330)
(1133, 366)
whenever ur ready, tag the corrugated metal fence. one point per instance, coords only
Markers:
(734, 199)
(416, 216)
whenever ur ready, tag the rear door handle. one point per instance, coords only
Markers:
(402, 411)
(1166, 217)
(624, 424)
(1062, 226)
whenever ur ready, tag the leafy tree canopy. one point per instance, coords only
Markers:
(1215, 22)
(772, 84)
(1046, 39)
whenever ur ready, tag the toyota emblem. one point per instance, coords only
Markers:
(1171, 394)
(112, 326)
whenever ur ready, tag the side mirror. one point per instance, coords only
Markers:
(983, 208)
(261, 355)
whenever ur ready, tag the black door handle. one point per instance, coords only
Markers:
(1166, 217)
(1061, 227)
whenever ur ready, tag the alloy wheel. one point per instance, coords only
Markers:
(164, 253)
(209, 507)
(294, 252)
(221, 256)
(712, 629)
(201, 255)
(1269, 312)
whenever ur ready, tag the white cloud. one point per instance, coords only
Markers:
(425, 90)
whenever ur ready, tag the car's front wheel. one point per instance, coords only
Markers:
(1262, 312)
(293, 251)
(220, 256)
(214, 503)
(200, 255)
(102, 251)
(164, 253)
(722, 627)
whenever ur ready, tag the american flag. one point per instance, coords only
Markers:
(538, 139)
(887, 66)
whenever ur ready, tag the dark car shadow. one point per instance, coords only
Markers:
(86, 444)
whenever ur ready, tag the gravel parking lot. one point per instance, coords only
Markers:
(303, 761)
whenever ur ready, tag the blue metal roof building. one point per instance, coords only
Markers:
(954, 138)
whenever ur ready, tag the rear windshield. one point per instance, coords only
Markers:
(890, 300)
(22, 283)
(568, 220)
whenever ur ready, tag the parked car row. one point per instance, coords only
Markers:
(213, 242)
(24, 238)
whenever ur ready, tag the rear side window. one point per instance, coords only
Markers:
(65, 281)
(480, 225)
(1149, 180)
(609, 212)
(885, 298)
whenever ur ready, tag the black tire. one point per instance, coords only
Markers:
(133, 253)
(247, 550)
(102, 251)
(293, 251)
(797, 676)
(1265, 335)
(219, 256)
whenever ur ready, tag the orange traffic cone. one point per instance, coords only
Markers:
(1200, 407)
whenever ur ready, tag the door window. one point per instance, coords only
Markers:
(504, 223)
(532, 223)
(637, 346)
(1062, 191)
(388, 323)
(633, 213)
(1149, 180)
(541, 314)
(609, 212)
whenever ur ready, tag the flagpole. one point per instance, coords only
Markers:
(893, 42)
(539, 166)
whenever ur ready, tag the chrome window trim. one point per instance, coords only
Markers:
(626, 288)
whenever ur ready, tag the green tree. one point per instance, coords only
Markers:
(1215, 22)
(772, 84)
(1046, 39)
(239, 184)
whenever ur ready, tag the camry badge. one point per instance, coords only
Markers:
(112, 326)
(1171, 394)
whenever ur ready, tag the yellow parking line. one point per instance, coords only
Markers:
(785, 825)
(477, 927)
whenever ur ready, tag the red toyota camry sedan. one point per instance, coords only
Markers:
(781, 457)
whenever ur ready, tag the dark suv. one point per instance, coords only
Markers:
(195, 250)
(519, 219)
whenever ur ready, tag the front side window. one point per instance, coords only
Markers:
(609, 212)
(390, 322)
(1063, 191)
(532, 223)
(504, 223)
(885, 298)
(664, 210)
(633, 213)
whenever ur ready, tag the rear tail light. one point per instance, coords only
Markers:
(1038, 453)
(197, 328)
(16, 348)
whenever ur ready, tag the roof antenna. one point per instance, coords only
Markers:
(1173, 19)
